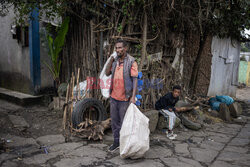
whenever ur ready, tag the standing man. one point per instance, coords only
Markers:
(166, 106)
(124, 71)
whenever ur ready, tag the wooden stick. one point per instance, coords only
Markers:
(197, 102)
(152, 92)
(66, 108)
(69, 100)
(127, 38)
(72, 96)
(78, 86)
(144, 41)
(87, 95)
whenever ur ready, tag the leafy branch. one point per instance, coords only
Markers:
(55, 47)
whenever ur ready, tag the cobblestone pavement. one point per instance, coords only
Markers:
(216, 145)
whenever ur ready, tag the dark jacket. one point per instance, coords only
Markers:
(166, 102)
(128, 80)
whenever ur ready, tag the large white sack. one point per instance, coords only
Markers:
(134, 134)
(106, 80)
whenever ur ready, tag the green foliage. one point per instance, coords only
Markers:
(154, 28)
(138, 46)
(55, 47)
(243, 58)
(138, 59)
(22, 9)
(119, 28)
(245, 47)
(231, 18)
(222, 18)
(127, 5)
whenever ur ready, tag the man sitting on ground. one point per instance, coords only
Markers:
(166, 106)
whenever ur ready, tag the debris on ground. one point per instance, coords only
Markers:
(18, 122)
(92, 129)
(206, 110)
(213, 109)
(242, 85)
(2, 145)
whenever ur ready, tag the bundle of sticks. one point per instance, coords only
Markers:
(202, 101)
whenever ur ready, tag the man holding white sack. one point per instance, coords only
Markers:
(124, 71)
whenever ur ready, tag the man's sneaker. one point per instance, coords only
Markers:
(113, 147)
(171, 135)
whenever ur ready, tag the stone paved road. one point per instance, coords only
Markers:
(217, 145)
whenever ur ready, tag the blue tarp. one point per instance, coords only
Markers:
(225, 99)
(215, 102)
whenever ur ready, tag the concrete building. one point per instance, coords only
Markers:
(22, 55)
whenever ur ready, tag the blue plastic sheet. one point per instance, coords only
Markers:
(225, 99)
(215, 102)
(215, 105)
(139, 75)
(138, 103)
(140, 82)
(139, 88)
(138, 97)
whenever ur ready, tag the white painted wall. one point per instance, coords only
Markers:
(15, 60)
(13, 57)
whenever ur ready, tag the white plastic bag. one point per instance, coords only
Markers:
(134, 134)
(106, 80)
(83, 91)
(82, 87)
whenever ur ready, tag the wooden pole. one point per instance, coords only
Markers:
(66, 108)
(144, 40)
(78, 86)
(72, 97)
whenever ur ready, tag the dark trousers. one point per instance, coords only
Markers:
(117, 112)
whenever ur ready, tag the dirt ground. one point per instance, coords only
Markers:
(46, 122)
(42, 143)
(41, 120)
(243, 94)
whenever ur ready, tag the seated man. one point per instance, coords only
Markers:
(166, 106)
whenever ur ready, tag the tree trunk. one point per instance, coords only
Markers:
(196, 67)
(144, 40)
